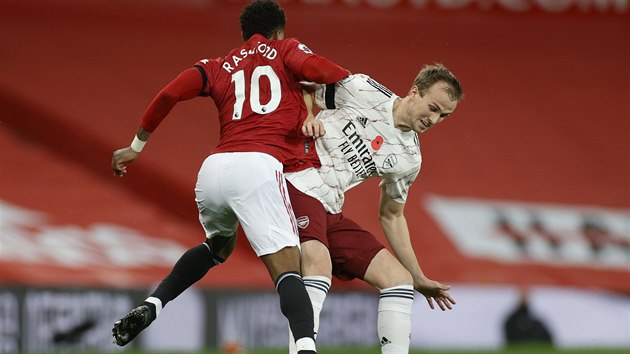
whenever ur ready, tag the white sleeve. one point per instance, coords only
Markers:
(343, 93)
(320, 95)
(397, 186)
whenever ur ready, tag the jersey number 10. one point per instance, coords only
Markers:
(238, 78)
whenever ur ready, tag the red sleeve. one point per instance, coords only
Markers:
(321, 70)
(311, 67)
(185, 86)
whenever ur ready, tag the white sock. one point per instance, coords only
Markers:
(158, 304)
(305, 344)
(394, 319)
(317, 288)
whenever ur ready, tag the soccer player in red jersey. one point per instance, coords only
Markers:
(256, 88)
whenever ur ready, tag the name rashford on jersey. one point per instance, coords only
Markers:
(256, 88)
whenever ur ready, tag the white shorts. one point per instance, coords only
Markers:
(246, 187)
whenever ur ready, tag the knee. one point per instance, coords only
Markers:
(315, 259)
(396, 277)
(221, 247)
(283, 261)
(385, 271)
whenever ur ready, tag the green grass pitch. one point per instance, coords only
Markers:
(511, 350)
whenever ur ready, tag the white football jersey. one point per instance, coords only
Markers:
(360, 142)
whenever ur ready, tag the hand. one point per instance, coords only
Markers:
(313, 128)
(122, 157)
(433, 290)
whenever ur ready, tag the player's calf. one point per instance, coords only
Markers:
(296, 306)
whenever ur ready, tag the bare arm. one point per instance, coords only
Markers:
(185, 86)
(311, 127)
(396, 230)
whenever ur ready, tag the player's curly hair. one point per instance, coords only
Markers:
(262, 17)
(430, 74)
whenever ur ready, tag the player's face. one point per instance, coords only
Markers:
(427, 111)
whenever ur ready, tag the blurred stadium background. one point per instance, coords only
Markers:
(524, 192)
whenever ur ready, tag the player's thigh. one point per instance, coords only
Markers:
(385, 271)
(310, 215)
(351, 247)
(258, 196)
(215, 214)
(312, 226)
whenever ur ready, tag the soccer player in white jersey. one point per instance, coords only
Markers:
(369, 132)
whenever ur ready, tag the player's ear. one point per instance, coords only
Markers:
(279, 34)
(414, 90)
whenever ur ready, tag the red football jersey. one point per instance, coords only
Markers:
(257, 92)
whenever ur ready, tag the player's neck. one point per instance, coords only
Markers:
(396, 111)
